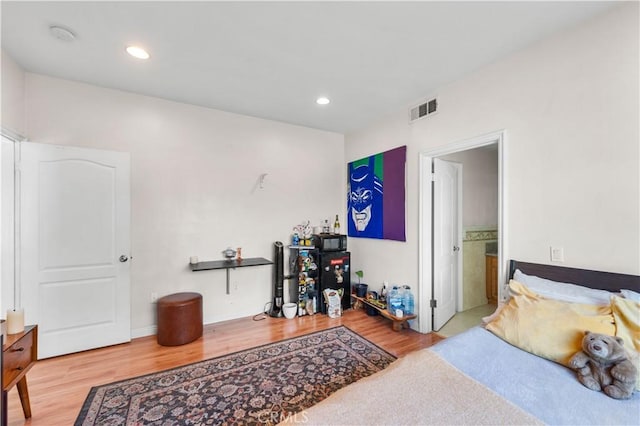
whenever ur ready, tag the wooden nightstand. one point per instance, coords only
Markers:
(20, 352)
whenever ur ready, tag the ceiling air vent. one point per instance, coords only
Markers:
(423, 110)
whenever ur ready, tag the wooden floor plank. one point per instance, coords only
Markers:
(58, 386)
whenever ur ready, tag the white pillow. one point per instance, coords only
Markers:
(631, 295)
(563, 291)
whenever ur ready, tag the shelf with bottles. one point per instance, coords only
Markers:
(305, 268)
(397, 323)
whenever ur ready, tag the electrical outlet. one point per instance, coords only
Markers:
(154, 297)
(557, 254)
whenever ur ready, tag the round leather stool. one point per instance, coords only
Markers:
(179, 318)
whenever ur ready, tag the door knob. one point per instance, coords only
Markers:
(123, 258)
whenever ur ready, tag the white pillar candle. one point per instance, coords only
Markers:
(15, 321)
(193, 260)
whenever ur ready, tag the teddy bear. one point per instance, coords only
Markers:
(603, 364)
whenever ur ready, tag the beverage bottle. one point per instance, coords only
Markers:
(383, 292)
(336, 226)
(401, 297)
(394, 302)
(408, 301)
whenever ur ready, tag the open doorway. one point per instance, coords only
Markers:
(476, 250)
(476, 288)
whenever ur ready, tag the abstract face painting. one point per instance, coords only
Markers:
(375, 196)
(365, 199)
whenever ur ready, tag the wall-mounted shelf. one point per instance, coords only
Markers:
(229, 264)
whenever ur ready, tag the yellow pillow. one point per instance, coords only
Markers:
(548, 328)
(626, 314)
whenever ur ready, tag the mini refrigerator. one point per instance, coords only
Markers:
(334, 273)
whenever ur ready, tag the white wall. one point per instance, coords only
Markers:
(479, 186)
(194, 186)
(12, 94)
(570, 106)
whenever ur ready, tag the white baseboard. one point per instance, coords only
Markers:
(144, 331)
(152, 330)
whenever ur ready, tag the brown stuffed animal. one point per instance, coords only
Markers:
(603, 364)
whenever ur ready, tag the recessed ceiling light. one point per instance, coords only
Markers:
(322, 101)
(137, 52)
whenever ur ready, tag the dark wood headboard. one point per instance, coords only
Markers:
(593, 279)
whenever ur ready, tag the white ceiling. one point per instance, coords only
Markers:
(272, 60)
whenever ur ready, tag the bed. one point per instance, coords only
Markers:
(479, 378)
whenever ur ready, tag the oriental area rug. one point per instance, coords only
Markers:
(263, 385)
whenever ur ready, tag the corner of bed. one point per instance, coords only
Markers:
(477, 377)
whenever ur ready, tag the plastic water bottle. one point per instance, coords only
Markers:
(394, 301)
(408, 301)
(401, 297)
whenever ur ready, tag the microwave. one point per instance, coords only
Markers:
(330, 242)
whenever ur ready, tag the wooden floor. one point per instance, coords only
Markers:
(58, 386)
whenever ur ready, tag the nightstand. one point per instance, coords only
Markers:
(20, 352)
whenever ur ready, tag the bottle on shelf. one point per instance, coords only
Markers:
(336, 226)
(401, 297)
(408, 301)
(394, 302)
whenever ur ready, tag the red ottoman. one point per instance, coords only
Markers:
(179, 318)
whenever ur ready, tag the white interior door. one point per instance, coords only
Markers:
(74, 246)
(445, 241)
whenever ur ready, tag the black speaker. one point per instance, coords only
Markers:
(278, 280)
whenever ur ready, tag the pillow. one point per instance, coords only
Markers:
(629, 294)
(563, 291)
(548, 328)
(486, 320)
(626, 314)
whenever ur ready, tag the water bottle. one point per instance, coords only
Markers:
(394, 301)
(408, 301)
(401, 297)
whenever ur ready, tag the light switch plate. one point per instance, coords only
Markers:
(557, 254)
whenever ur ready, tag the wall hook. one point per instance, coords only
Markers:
(262, 176)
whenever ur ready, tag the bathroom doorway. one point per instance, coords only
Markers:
(480, 245)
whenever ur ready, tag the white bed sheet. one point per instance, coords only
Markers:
(549, 391)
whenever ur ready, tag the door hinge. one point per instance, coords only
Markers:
(434, 303)
(433, 177)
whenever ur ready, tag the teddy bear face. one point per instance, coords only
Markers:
(603, 347)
